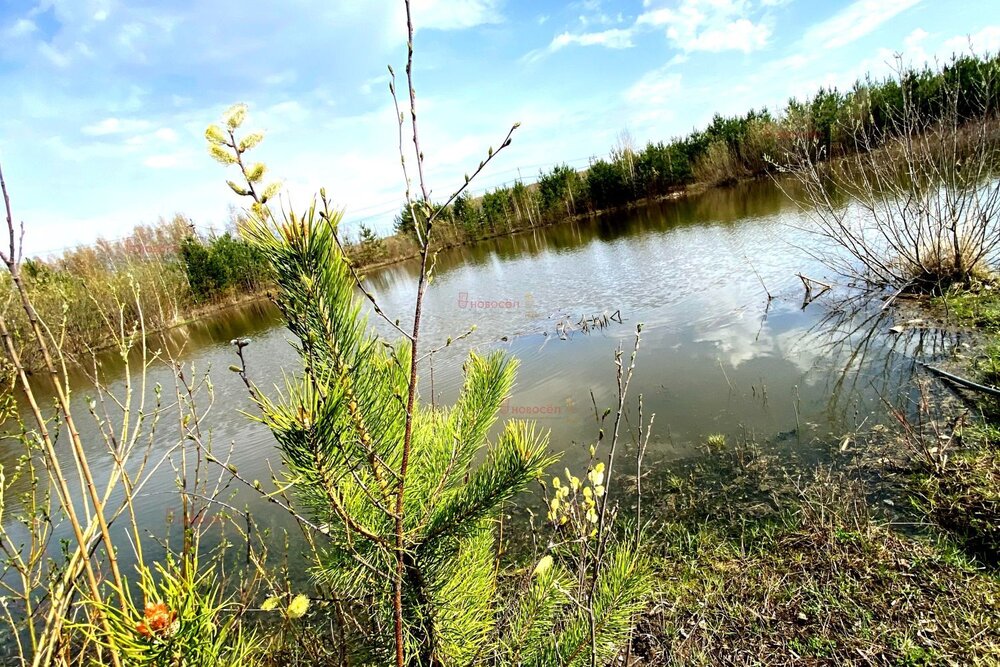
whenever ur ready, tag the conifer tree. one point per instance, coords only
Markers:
(407, 495)
(340, 426)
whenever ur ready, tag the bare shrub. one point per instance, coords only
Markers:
(916, 205)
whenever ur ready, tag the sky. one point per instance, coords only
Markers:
(105, 103)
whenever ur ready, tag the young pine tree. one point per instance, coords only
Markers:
(340, 428)
(351, 448)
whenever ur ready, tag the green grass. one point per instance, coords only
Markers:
(979, 309)
(795, 592)
(964, 499)
(755, 569)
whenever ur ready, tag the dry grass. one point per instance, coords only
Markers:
(807, 594)
(960, 261)
(719, 165)
(762, 567)
(964, 498)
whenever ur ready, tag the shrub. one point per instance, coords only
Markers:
(719, 165)
(223, 264)
(467, 214)
(207, 273)
(370, 247)
(180, 616)
(402, 497)
(922, 203)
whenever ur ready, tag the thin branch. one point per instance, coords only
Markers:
(448, 343)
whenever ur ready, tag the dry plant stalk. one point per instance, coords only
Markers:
(66, 605)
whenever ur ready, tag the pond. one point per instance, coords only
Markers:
(728, 344)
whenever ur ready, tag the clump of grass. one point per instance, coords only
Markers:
(979, 308)
(719, 165)
(986, 368)
(715, 442)
(797, 590)
(943, 266)
(954, 475)
(964, 499)
(179, 615)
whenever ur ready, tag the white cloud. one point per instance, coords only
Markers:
(454, 14)
(796, 61)
(20, 28)
(986, 40)
(655, 88)
(614, 38)
(280, 78)
(110, 126)
(279, 116)
(913, 47)
(650, 99)
(915, 38)
(740, 35)
(381, 82)
(854, 22)
(710, 25)
(167, 160)
(599, 18)
(166, 134)
(131, 33)
(54, 56)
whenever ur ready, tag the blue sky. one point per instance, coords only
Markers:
(104, 103)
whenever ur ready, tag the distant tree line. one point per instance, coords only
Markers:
(831, 122)
(157, 272)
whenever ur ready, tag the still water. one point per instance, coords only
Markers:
(717, 354)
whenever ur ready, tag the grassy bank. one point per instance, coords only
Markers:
(801, 591)
(761, 565)
(160, 276)
(961, 492)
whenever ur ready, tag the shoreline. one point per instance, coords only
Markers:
(207, 310)
(676, 195)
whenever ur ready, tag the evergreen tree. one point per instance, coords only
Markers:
(406, 496)
(340, 429)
